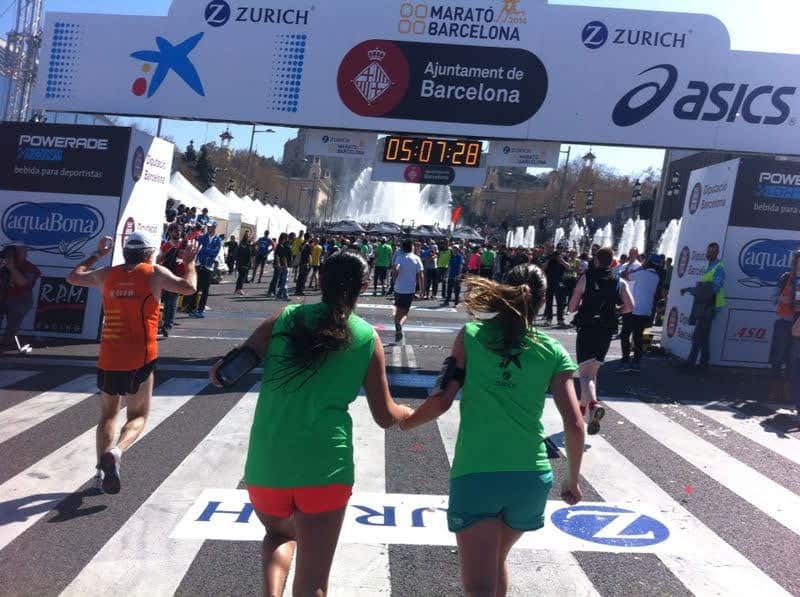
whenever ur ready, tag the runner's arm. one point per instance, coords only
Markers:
(577, 295)
(441, 401)
(83, 276)
(385, 411)
(574, 434)
(258, 342)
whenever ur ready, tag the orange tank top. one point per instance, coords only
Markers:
(130, 324)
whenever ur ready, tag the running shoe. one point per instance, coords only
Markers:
(97, 482)
(596, 414)
(398, 333)
(165, 332)
(109, 464)
(200, 315)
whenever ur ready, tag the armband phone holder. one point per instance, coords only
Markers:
(236, 364)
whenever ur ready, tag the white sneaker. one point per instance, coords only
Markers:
(97, 482)
(596, 414)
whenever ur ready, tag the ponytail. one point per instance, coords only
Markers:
(515, 303)
(310, 342)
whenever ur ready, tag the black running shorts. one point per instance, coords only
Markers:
(403, 301)
(593, 343)
(124, 383)
(380, 272)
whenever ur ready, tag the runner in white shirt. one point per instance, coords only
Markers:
(407, 275)
(645, 283)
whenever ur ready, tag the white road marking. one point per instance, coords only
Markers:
(531, 572)
(410, 357)
(9, 377)
(31, 412)
(762, 492)
(390, 307)
(716, 569)
(154, 563)
(397, 356)
(63, 471)
(751, 427)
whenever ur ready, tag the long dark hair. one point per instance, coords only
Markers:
(341, 279)
(515, 303)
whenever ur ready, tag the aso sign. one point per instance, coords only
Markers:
(506, 69)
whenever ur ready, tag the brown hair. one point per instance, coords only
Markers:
(605, 257)
(514, 303)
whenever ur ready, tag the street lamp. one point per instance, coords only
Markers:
(250, 155)
(563, 182)
(636, 198)
(589, 160)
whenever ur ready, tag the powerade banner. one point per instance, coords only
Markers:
(504, 69)
(62, 159)
(767, 195)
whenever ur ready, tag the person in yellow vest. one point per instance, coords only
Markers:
(709, 295)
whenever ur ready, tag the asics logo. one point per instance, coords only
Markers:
(625, 114)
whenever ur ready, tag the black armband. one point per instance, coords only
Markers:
(451, 372)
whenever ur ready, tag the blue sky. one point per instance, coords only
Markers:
(769, 28)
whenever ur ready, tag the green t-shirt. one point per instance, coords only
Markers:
(502, 402)
(487, 259)
(302, 434)
(444, 258)
(383, 255)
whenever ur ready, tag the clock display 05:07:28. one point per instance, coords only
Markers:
(433, 152)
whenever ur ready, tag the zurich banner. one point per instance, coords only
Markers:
(507, 69)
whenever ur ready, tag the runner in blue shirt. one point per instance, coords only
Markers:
(210, 246)
(264, 247)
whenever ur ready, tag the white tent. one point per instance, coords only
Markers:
(185, 192)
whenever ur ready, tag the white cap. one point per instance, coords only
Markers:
(139, 240)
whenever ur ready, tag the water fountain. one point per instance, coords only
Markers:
(668, 245)
(608, 236)
(370, 201)
(626, 242)
(559, 236)
(509, 238)
(575, 237)
(640, 235)
(530, 237)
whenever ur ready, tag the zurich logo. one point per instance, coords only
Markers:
(171, 58)
(56, 228)
(506, 149)
(764, 261)
(595, 35)
(608, 525)
(325, 138)
(218, 13)
(626, 114)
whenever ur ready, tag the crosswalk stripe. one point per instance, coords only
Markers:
(771, 498)
(531, 572)
(411, 359)
(397, 355)
(154, 563)
(9, 377)
(30, 413)
(751, 427)
(721, 571)
(67, 468)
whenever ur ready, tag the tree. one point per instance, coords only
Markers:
(205, 170)
(190, 155)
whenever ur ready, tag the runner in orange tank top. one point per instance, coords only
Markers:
(128, 349)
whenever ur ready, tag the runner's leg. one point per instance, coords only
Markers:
(107, 427)
(277, 552)
(138, 410)
(317, 537)
(508, 538)
(588, 379)
(479, 548)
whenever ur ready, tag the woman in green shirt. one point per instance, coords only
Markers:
(300, 468)
(501, 476)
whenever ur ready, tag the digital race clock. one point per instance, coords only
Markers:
(433, 152)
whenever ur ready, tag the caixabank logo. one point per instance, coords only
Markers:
(727, 101)
(168, 58)
(445, 83)
(763, 261)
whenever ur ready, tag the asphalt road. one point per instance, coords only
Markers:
(692, 487)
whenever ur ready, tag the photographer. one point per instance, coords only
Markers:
(17, 278)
